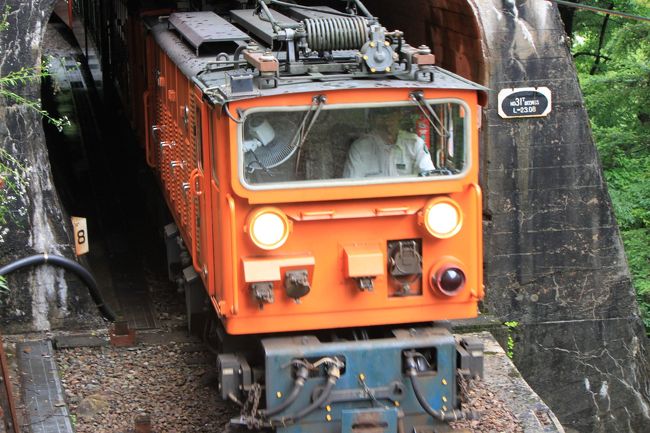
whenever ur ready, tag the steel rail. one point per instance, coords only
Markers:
(6, 378)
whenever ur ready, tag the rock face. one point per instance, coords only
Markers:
(44, 297)
(554, 257)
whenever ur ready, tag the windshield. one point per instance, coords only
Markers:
(354, 144)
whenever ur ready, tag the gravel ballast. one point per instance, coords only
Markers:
(175, 384)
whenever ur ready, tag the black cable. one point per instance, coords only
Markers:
(334, 374)
(301, 376)
(601, 10)
(69, 265)
(316, 403)
(237, 121)
(453, 415)
(237, 52)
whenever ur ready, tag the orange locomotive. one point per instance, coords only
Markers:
(323, 175)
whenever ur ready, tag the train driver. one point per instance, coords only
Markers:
(387, 150)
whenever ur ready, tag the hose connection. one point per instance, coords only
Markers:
(445, 416)
(334, 366)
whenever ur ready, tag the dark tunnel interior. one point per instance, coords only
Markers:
(99, 173)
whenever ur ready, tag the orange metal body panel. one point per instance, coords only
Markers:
(176, 144)
(363, 260)
(336, 231)
(330, 226)
(335, 300)
(270, 268)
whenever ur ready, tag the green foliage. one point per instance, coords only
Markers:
(629, 185)
(11, 84)
(4, 289)
(617, 94)
(4, 23)
(638, 255)
(23, 77)
(510, 343)
(511, 324)
(12, 186)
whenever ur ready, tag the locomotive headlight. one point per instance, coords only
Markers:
(268, 228)
(442, 218)
(449, 280)
(448, 277)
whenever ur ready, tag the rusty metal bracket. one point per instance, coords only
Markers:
(121, 335)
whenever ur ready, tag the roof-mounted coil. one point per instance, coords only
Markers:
(338, 33)
(325, 33)
(207, 32)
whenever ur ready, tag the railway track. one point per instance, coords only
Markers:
(8, 411)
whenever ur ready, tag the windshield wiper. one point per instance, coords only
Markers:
(310, 119)
(429, 112)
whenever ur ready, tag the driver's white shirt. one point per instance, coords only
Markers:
(372, 156)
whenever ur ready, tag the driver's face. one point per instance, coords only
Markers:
(388, 125)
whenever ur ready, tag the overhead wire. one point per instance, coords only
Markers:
(601, 10)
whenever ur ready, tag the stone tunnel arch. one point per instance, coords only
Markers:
(450, 27)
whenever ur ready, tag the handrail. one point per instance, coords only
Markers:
(479, 293)
(233, 255)
(147, 150)
(194, 175)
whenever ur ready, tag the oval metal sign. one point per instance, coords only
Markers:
(524, 102)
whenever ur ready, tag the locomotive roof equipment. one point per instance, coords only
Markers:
(301, 52)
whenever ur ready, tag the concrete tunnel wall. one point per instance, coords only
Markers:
(554, 260)
(449, 27)
(43, 297)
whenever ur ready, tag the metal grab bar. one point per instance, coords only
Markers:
(479, 292)
(194, 194)
(233, 254)
(147, 138)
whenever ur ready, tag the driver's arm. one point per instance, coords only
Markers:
(354, 165)
(422, 157)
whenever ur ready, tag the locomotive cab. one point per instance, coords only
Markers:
(323, 175)
(342, 200)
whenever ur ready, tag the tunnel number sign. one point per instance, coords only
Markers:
(80, 235)
(524, 102)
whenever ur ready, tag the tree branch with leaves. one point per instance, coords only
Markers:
(612, 56)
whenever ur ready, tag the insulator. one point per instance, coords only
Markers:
(339, 33)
